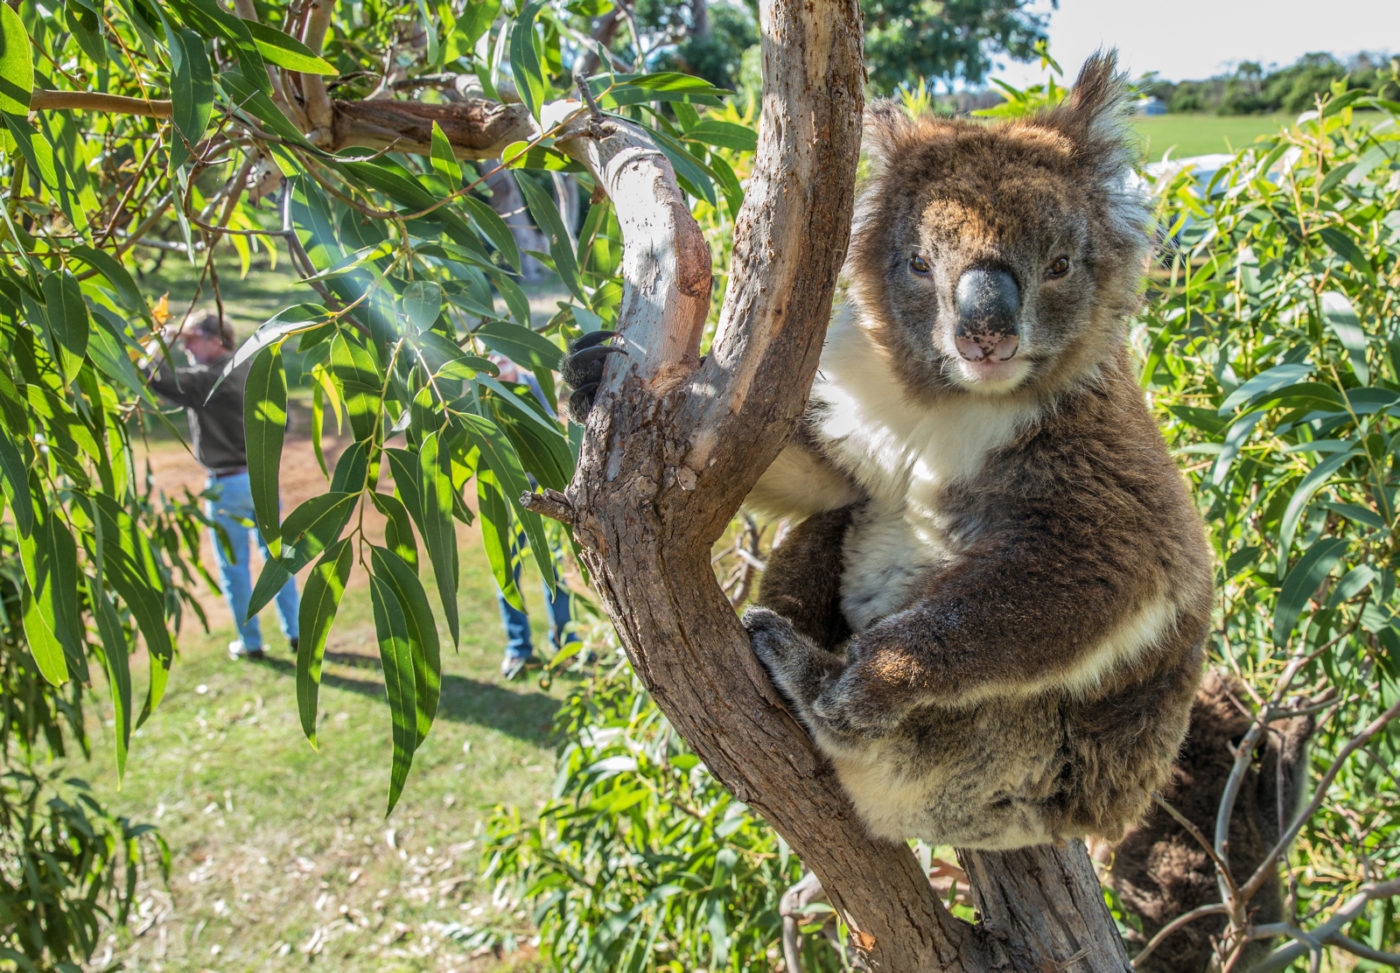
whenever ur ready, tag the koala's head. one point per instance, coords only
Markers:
(1000, 258)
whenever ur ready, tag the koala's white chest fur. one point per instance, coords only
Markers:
(904, 457)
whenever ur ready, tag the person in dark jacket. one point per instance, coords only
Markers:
(215, 411)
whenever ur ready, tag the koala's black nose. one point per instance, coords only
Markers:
(989, 304)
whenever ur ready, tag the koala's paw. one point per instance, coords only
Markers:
(773, 638)
(582, 368)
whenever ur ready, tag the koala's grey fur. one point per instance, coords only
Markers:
(991, 619)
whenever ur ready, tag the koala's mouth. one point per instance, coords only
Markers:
(990, 374)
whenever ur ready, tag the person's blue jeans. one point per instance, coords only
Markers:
(232, 510)
(517, 623)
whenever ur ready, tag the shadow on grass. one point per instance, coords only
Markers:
(527, 716)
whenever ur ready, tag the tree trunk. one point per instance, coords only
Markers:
(672, 447)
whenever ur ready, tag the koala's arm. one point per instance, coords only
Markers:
(802, 581)
(1016, 614)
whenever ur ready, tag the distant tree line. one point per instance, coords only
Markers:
(1253, 90)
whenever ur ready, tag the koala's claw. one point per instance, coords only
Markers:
(771, 635)
(582, 369)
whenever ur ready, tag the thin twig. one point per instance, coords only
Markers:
(1186, 918)
(42, 99)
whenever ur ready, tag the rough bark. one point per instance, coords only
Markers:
(476, 127)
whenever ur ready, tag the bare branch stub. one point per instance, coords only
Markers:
(549, 503)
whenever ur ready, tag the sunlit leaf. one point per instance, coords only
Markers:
(265, 426)
(320, 598)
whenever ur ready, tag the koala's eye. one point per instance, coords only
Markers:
(919, 265)
(1058, 267)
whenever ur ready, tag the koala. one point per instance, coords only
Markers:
(991, 616)
(1160, 871)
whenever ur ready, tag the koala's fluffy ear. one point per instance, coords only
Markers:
(1092, 116)
(887, 128)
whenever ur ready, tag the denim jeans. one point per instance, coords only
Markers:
(233, 511)
(517, 623)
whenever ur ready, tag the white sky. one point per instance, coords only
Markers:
(1191, 39)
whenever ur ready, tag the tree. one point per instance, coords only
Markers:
(946, 40)
(377, 203)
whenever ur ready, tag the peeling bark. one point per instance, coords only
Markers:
(477, 127)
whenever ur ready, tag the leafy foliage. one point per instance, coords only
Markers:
(168, 127)
(642, 861)
(68, 865)
(945, 41)
(1273, 346)
(1293, 88)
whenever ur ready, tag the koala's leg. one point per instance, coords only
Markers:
(800, 669)
(802, 581)
(796, 632)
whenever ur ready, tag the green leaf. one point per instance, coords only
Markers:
(67, 315)
(1310, 484)
(131, 568)
(1267, 381)
(546, 217)
(265, 425)
(308, 530)
(439, 534)
(422, 303)
(473, 22)
(325, 585)
(193, 80)
(525, 60)
(127, 294)
(421, 629)
(1341, 319)
(398, 527)
(521, 345)
(725, 135)
(44, 646)
(444, 159)
(1345, 247)
(16, 483)
(404, 466)
(1302, 581)
(16, 67)
(112, 648)
(495, 229)
(355, 368)
(498, 453)
(285, 51)
(498, 535)
(51, 614)
(396, 658)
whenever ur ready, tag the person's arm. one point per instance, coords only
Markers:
(188, 386)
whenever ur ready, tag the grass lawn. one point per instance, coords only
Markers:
(1201, 134)
(281, 855)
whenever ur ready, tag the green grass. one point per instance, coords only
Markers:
(282, 855)
(1199, 134)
